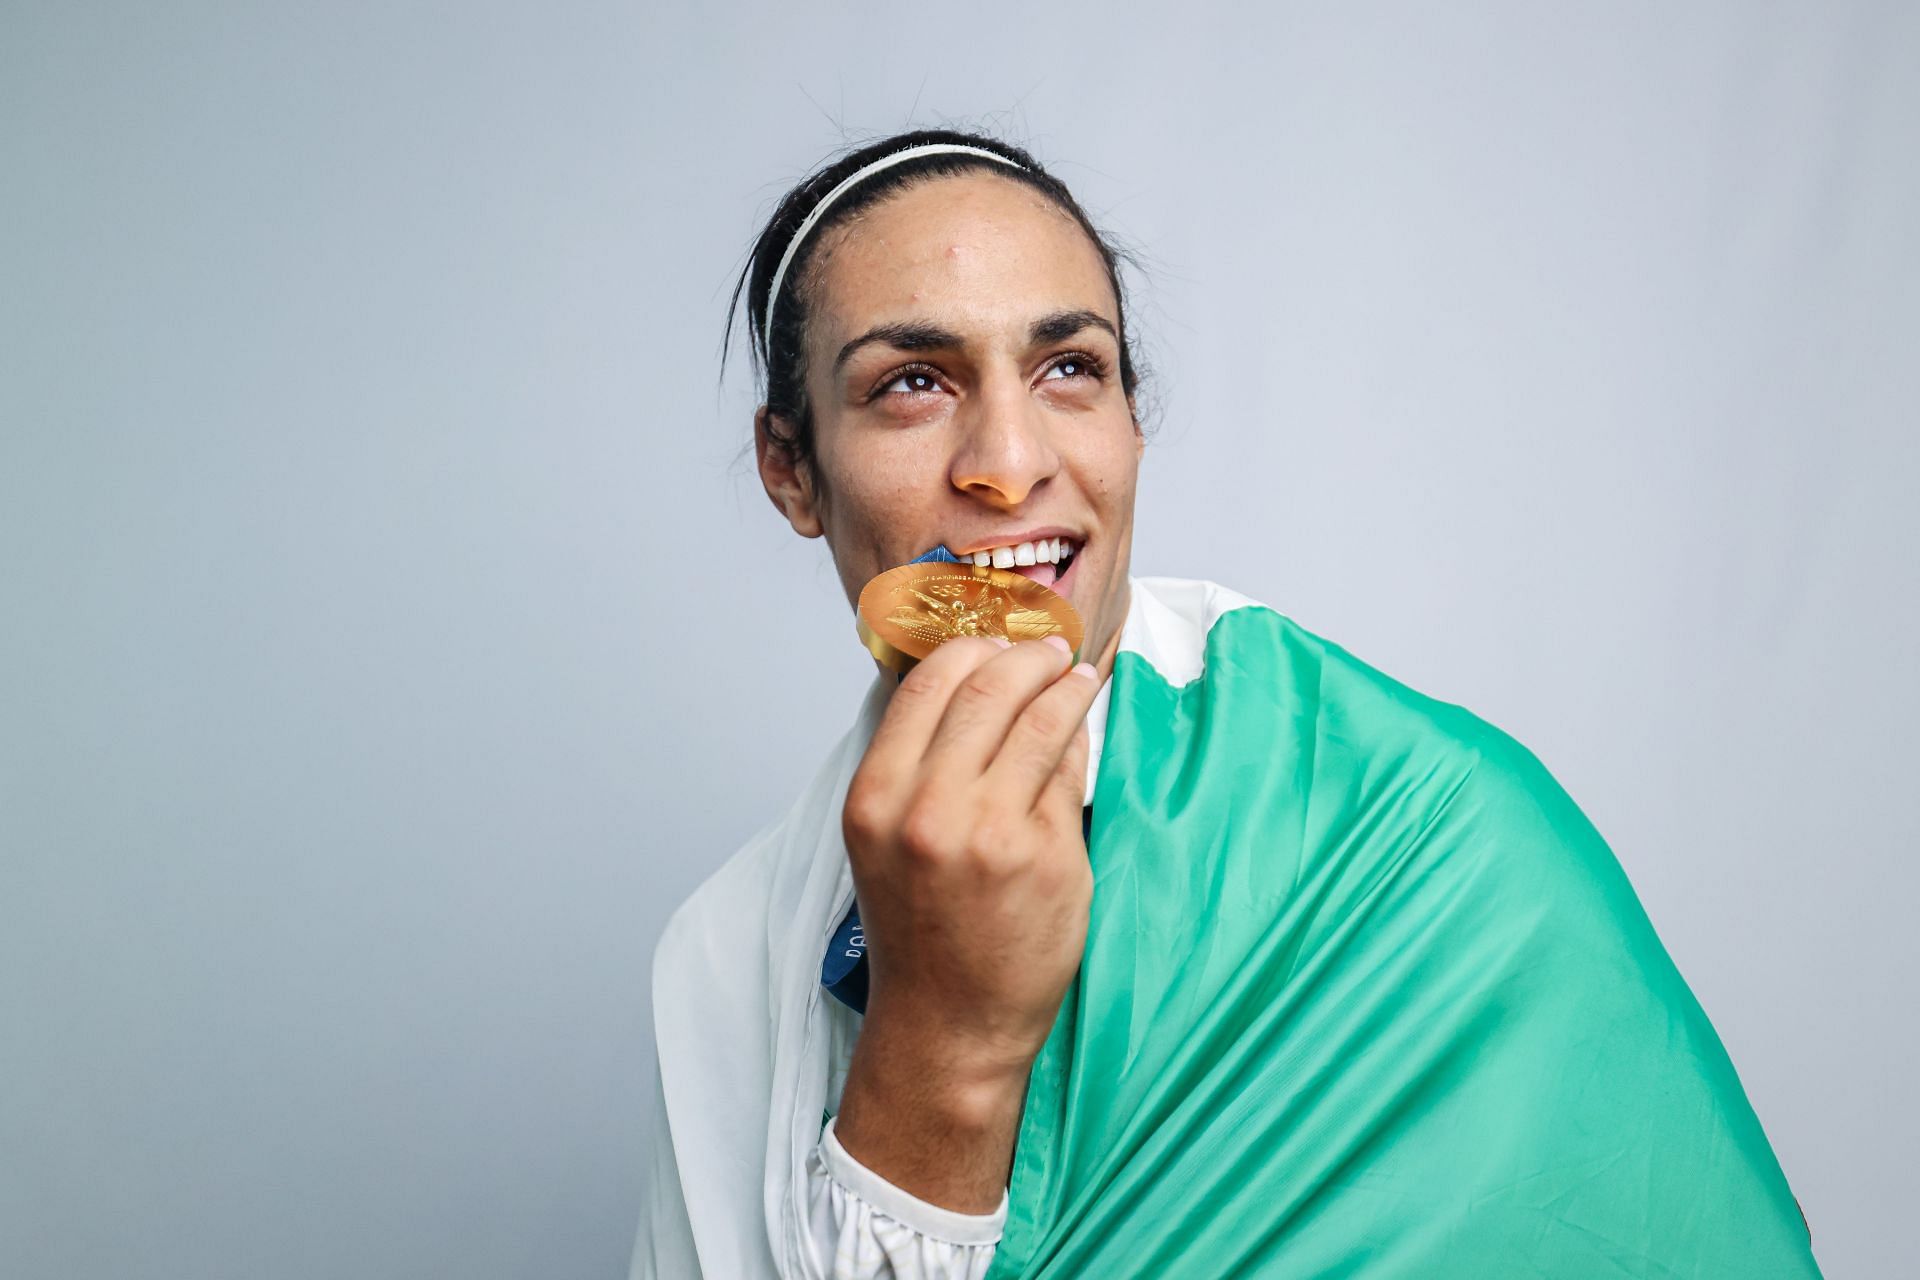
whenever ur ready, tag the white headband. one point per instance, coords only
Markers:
(846, 184)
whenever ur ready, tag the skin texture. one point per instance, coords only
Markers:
(963, 819)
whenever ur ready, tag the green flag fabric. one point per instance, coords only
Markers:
(1365, 994)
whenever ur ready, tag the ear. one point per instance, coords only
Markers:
(788, 485)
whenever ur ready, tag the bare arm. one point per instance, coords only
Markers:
(927, 1120)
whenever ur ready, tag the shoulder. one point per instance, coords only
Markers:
(1366, 728)
(729, 917)
(1393, 721)
(1489, 801)
(708, 927)
(1186, 626)
(1409, 798)
(715, 964)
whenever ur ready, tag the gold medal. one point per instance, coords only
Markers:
(907, 612)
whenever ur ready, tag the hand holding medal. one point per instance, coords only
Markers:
(964, 831)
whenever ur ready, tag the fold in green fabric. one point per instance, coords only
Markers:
(1365, 994)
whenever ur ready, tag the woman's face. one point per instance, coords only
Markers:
(963, 370)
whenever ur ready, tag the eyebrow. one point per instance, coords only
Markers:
(917, 335)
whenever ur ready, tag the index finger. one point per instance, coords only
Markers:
(917, 705)
(1029, 759)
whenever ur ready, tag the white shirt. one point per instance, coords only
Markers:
(865, 1228)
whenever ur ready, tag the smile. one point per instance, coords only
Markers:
(1045, 560)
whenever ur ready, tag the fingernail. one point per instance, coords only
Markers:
(1060, 643)
(1002, 641)
(1088, 670)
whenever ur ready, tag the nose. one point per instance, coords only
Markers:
(1004, 452)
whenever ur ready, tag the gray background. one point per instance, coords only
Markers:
(390, 635)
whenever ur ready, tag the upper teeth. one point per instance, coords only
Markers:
(1045, 551)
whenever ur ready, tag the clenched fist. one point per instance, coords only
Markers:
(963, 825)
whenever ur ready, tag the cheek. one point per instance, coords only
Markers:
(1112, 468)
(885, 476)
(882, 482)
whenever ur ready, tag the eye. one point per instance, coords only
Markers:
(914, 380)
(1075, 365)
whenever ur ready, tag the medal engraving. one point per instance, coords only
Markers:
(907, 612)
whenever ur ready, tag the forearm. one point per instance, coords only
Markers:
(934, 1118)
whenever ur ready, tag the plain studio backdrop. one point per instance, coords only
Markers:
(391, 635)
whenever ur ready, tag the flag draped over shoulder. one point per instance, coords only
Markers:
(1364, 994)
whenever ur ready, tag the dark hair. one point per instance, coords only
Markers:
(782, 362)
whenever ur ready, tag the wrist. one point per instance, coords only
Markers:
(931, 1118)
(914, 1044)
(955, 1226)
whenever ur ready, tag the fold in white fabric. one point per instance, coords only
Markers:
(865, 1228)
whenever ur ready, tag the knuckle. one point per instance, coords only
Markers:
(1052, 819)
(991, 866)
(976, 693)
(1073, 764)
(1078, 753)
(862, 814)
(920, 686)
(984, 682)
(988, 844)
(1046, 720)
(925, 833)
